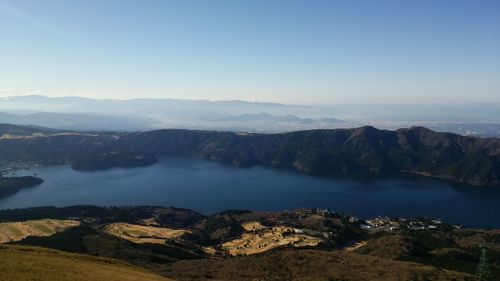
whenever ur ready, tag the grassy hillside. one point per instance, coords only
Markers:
(30, 263)
(86, 240)
(307, 265)
(173, 243)
(457, 250)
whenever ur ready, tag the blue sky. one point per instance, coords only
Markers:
(291, 51)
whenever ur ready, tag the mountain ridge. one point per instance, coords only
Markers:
(468, 160)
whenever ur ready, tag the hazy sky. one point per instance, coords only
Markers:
(307, 51)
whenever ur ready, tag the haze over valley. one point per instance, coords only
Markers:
(74, 113)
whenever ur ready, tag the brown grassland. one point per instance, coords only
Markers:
(143, 234)
(16, 231)
(308, 265)
(21, 263)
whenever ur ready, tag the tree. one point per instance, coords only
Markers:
(483, 272)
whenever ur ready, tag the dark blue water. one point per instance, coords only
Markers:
(210, 187)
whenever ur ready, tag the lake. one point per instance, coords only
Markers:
(210, 187)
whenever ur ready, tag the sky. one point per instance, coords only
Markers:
(314, 52)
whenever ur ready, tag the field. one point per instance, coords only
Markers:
(143, 234)
(12, 137)
(16, 231)
(21, 263)
(38, 135)
(258, 239)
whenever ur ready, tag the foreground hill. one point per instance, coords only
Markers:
(468, 160)
(308, 265)
(21, 263)
(304, 244)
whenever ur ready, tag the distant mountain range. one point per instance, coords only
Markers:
(157, 107)
(84, 114)
(284, 118)
(67, 121)
(262, 122)
(74, 113)
(469, 160)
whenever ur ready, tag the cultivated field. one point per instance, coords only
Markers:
(143, 234)
(39, 135)
(13, 137)
(16, 231)
(258, 239)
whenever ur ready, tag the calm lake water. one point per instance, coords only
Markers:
(210, 187)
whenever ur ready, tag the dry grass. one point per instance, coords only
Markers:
(355, 246)
(30, 263)
(41, 135)
(252, 226)
(258, 239)
(142, 233)
(16, 231)
(389, 247)
(13, 137)
(308, 265)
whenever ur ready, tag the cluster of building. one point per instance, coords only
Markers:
(17, 166)
(392, 224)
(380, 223)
